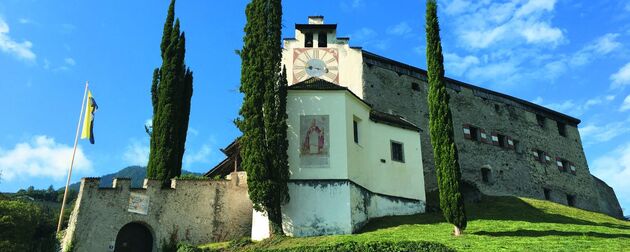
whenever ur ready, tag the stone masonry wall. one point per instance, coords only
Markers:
(388, 87)
(196, 211)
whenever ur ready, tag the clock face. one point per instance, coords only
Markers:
(322, 63)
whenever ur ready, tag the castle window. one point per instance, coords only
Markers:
(485, 175)
(415, 86)
(472, 133)
(502, 140)
(562, 164)
(355, 129)
(540, 156)
(322, 40)
(562, 129)
(308, 39)
(547, 193)
(541, 121)
(397, 152)
(570, 200)
(517, 146)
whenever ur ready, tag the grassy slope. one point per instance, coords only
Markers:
(495, 224)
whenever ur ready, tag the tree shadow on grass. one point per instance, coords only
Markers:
(539, 233)
(488, 208)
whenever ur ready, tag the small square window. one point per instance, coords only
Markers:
(322, 40)
(308, 39)
(562, 129)
(541, 120)
(397, 152)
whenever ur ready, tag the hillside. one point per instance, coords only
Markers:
(495, 224)
(136, 173)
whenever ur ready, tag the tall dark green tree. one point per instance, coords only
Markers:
(263, 112)
(441, 128)
(171, 92)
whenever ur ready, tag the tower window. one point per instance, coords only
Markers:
(322, 40)
(562, 129)
(397, 152)
(308, 39)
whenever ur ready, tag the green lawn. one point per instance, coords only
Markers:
(495, 224)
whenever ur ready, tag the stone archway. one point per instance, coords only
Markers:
(134, 237)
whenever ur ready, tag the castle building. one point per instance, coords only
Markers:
(506, 145)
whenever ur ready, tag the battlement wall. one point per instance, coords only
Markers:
(196, 211)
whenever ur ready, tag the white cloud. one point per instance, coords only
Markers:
(41, 157)
(483, 24)
(542, 33)
(621, 78)
(363, 34)
(626, 104)
(576, 108)
(459, 65)
(593, 133)
(9, 45)
(401, 29)
(25, 21)
(70, 61)
(614, 168)
(202, 155)
(137, 153)
(369, 38)
(599, 47)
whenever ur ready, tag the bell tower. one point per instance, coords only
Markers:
(316, 52)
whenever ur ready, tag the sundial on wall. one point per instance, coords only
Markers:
(322, 63)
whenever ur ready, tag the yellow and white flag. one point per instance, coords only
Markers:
(88, 120)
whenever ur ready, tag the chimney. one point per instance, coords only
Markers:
(316, 20)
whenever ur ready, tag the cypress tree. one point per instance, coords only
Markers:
(441, 128)
(263, 112)
(171, 91)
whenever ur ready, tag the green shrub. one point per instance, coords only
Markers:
(25, 226)
(239, 243)
(372, 246)
(185, 247)
(192, 177)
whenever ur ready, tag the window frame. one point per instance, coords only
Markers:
(402, 151)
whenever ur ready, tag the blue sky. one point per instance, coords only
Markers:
(571, 56)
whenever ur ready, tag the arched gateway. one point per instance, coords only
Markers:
(134, 237)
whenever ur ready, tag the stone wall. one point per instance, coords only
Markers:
(195, 211)
(399, 89)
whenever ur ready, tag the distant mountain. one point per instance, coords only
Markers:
(136, 173)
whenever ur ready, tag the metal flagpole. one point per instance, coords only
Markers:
(76, 139)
